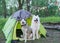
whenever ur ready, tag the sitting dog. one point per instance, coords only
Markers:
(35, 25)
(27, 31)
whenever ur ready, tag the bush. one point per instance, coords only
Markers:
(49, 11)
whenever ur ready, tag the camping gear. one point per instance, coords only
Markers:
(12, 28)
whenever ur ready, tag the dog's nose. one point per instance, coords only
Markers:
(23, 22)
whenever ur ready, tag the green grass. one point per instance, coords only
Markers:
(50, 19)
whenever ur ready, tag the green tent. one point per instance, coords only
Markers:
(12, 25)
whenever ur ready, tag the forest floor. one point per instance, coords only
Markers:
(54, 37)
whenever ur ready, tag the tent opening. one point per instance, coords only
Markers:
(18, 30)
(18, 33)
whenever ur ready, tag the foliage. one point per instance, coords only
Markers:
(53, 10)
(12, 6)
(49, 11)
(1, 7)
(2, 22)
(40, 3)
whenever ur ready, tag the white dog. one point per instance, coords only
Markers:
(26, 30)
(35, 25)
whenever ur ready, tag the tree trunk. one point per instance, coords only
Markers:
(20, 5)
(11, 10)
(20, 2)
(28, 5)
(4, 8)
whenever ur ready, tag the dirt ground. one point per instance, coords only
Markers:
(54, 37)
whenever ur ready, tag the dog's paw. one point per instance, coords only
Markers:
(33, 38)
(37, 37)
(21, 36)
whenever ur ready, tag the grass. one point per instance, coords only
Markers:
(2, 22)
(50, 19)
(42, 19)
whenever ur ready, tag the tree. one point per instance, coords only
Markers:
(4, 8)
(40, 3)
(20, 2)
(1, 8)
(28, 5)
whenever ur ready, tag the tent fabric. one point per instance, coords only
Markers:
(8, 29)
(42, 30)
(21, 14)
(14, 32)
(8, 26)
(18, 25)
(10, 37)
